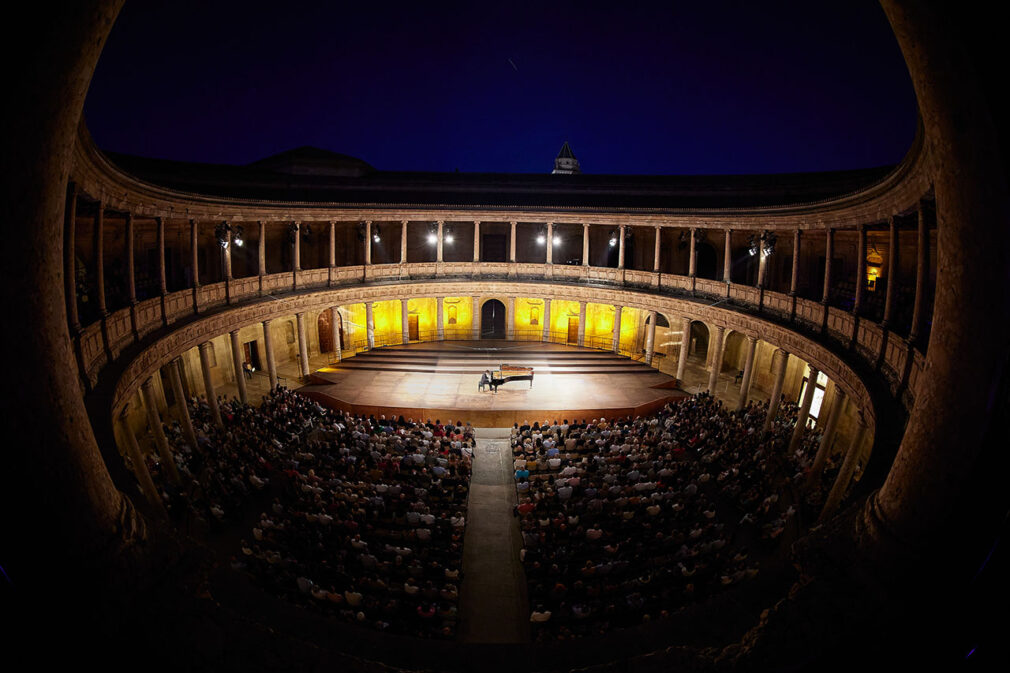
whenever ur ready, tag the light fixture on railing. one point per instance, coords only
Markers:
(376, 236)
(221, 232)
(769, 239)
(613, 238)
(752, 245)
(541, 236)
(239, 236)
(447, 235)
(556, 240)
(433, 233)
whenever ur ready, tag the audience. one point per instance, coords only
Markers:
(364, 516)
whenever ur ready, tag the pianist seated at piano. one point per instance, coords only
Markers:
(507, 373)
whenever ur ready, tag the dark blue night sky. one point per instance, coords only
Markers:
(642, 87)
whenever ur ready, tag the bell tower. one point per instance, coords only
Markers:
(566, 163)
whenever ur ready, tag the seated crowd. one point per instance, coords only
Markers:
(627, 521)
(364, 517)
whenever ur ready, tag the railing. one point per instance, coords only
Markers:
(900, 364)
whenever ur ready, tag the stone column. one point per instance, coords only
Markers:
(369, 325)
(194, 251)
(510, 324)
(921, 274)
(692, 254)
(582, 323)
(794, 277)
(748, 373)
(727, 256)
(403, 241)
(616, 347)
(226, 252)
(860, 270)
(333, 252)
(439, 318)
(780, 359)
(236, 361)
(892, 271)
(685, 346)
(512, 241)
(717, 351)
(405, 321)
(99, 236)
(441, 227)
(208, 384)
(844, 477)
(762, 263)
(261, 258)
(550, 242)
(547, 319)
(268, 346)
(298, 246)
(303, 346)
(829, 251)
(475, 312)
(650, 337)
(824, 447)
(476, 241)
(160, 440)
(804, 414)
(656, 250)
(585, 244)
(131, 279)
(620, 247)
(368, 242)
(140, 470)
(335, 330)
(175, 376)
(70, 258)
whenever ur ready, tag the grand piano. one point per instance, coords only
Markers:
(506, 373)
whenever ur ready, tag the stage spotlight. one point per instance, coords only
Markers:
(541, 239)
(556, 240)
(375, 235)
(239, 236)
(432, 237)
(613, 238)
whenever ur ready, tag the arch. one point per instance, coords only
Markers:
(325, 332)
(734, 351)
(697, 341)
(492, 319)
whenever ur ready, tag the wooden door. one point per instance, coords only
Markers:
(412, 330)
(573, 330)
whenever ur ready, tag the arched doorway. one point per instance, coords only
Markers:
(492, 320)
(698, 342)
(661, 341)
(327, 333)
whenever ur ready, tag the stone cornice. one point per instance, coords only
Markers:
(898, 192)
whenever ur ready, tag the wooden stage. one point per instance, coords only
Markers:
(439, 380)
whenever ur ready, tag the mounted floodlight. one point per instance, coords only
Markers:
(432, 237)
(556, 240)
(239, 236)
(375, 234)
(613, 239)
(541, 239)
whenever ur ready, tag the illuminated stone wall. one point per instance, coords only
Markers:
(457, 316)
(426, 310)
(529, 318)
(355, 328)
(599, 325)
(388, 322)
(561, 312)
(631, 332)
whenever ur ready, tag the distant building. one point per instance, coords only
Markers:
(566, 163)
